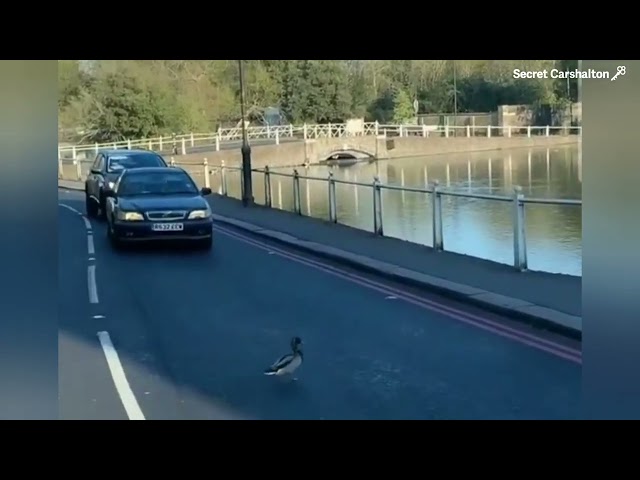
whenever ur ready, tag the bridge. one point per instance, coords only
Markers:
(391, 329)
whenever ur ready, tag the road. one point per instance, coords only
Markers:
(234, 145)
(224, 145)
(177, 334)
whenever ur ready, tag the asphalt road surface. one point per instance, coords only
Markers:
(166, 333)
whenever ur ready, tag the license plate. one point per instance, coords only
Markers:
(167, 227)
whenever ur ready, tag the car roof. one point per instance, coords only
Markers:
(155, 170)
(125, 151)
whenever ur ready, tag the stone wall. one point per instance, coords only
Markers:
(525, 115)
(420, 146)
(313, 151)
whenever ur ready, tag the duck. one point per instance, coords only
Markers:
(289, 363)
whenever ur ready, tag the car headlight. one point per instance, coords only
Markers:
(111, 184)
(129, 216)
(199, 214)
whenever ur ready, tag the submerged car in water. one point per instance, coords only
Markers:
(158, 204)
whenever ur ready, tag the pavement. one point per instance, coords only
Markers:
(172, 333)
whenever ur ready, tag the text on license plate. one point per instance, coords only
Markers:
(167, 227)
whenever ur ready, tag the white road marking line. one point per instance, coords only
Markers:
(90, 247)
(127, 397)
(87, 223)
(70, 208)
(91, 259)
(93, 288)
(99, 316)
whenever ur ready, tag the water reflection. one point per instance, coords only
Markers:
(480, 228)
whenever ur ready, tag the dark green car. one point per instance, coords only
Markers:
(158, 204)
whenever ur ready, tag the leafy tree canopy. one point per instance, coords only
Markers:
(117, 99)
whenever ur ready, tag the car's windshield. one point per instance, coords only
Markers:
(118, 163)
(156, 183)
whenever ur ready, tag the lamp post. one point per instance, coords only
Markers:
(455, 91)
(247, 191)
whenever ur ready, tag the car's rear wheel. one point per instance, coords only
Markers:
(90, 206)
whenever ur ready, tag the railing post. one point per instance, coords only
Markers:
(60, 167)
(218, 143)
(74, 153)
(183, 147)
(468, 131)
(304, 131)
(267, 187)
(424, 130)
(333, 214)
(192, 140)
(223, 178)
(529, 131)
(290, 130)
(376, 127)
(377, 207)
(509, 131)
(128, 144)
(436, 195)
(160, 141)
(296, 193)
(547, 130)
(329, 132)
(172, 162)
(488, 131)
(400, 130)
(150, 145)
(519, 230)
(277, 138)
(446, 131)
(207, 180)
(78, 169)
(98, 148)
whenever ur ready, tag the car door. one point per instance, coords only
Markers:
(95, 176)
(112, 201)
(90, 176)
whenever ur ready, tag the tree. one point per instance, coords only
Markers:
(402, 107)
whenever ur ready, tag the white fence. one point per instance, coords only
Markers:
(181, 144)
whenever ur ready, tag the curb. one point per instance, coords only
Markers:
(78, 188)
(535, 315)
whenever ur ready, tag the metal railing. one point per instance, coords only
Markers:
(180, 143)
(434, 190)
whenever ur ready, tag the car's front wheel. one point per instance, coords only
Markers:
(206, 244)
(113, 237)
(90, 206)
(103, 206)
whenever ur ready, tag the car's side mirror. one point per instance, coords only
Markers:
(96, 171)
(205, 191)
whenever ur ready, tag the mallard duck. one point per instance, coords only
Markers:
(289, 363)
